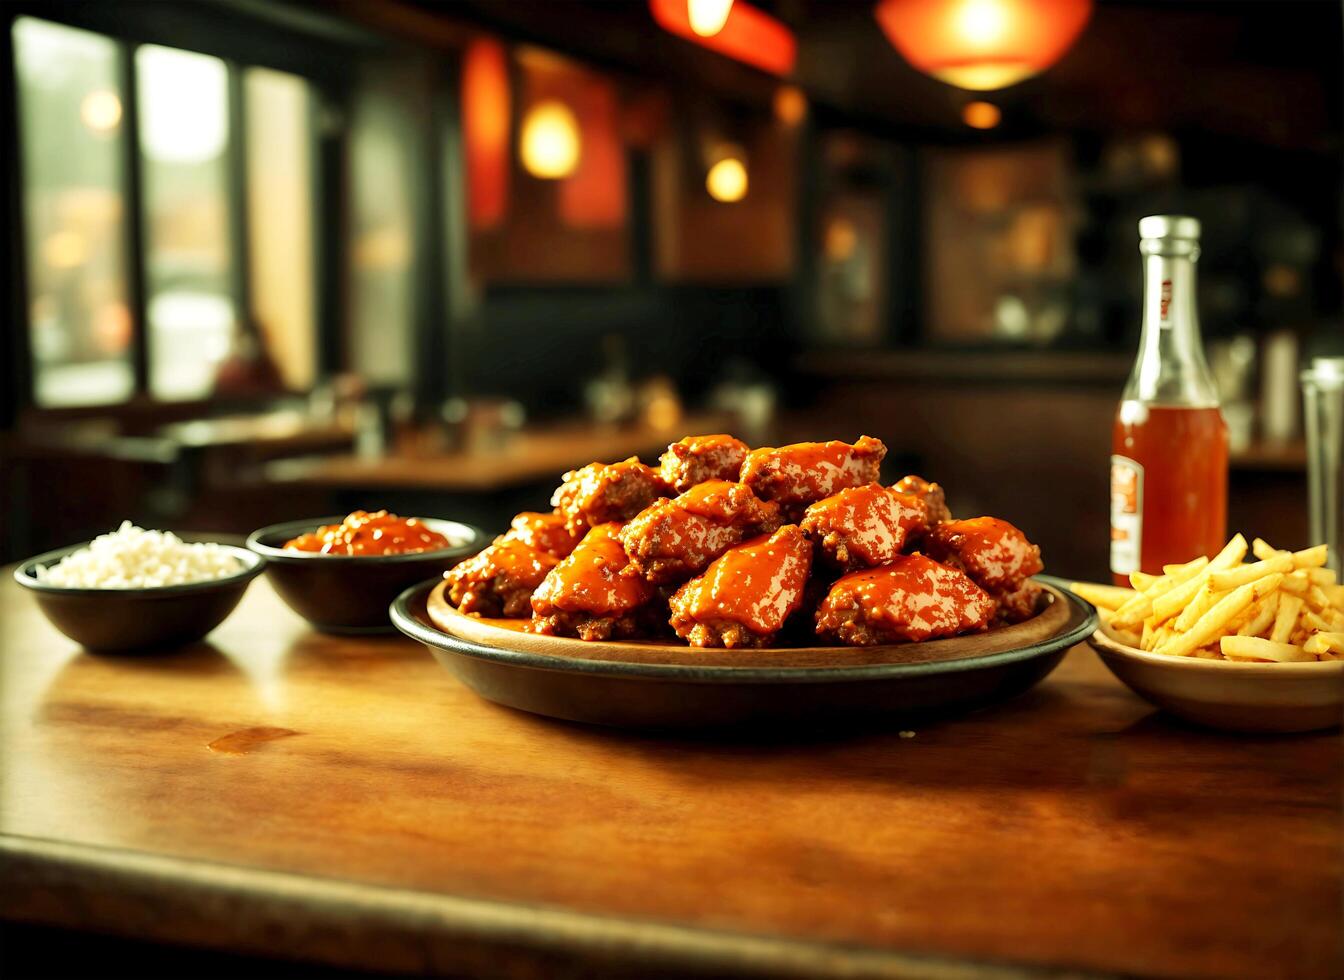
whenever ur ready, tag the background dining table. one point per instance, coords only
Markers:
(278, 793)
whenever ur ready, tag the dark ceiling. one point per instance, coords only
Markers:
(1268, 72)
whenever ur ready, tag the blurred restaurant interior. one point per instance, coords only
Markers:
(274, 259)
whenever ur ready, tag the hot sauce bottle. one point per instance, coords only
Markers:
(1169, 446)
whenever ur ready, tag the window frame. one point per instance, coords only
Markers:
(241, 40)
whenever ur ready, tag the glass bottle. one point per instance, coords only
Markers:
(1169, 444)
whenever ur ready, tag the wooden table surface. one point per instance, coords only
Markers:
(408, 825)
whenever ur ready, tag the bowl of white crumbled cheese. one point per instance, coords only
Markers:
(136, 590)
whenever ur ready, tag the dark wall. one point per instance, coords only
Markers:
(540, 345)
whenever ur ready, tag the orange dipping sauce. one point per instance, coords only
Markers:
(362, 533)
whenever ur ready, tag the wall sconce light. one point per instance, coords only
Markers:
(550, 143)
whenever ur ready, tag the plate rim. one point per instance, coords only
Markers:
(1082, 624)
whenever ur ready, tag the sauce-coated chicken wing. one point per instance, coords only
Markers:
(930, 495)
(911, 599)
(672, 540)
(603, 492)
(991, 551)
(806, 472)
(586, 595)
(696, 459)
(997, 556)
(744, 598)
(864, 526)
(545, 532)
(500, 580)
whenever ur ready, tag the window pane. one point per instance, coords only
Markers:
(279, 204)
(184, 135)
(381, 142)
(69, 135)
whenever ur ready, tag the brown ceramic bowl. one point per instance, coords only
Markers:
(1239, 697)
(351, 593)
(137, 620)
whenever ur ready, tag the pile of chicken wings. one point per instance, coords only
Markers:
(727, 546)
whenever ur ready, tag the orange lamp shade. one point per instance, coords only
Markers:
(485, 126)
(748, 34)
(982, 44)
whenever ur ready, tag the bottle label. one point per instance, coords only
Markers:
(1126, 514)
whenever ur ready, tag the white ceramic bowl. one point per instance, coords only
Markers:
(1241, 697)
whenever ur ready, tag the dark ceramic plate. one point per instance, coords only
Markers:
(662, 695)
(351, 593)
(138, 620)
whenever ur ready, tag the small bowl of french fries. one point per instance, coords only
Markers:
(1228, 643)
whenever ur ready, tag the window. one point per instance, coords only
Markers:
(70, 115)
(382, 295)
(221, 163)
(184, 137)
(280, 220)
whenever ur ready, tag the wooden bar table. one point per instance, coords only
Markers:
(399, 823)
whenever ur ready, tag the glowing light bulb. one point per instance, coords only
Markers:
(550, 141)
(981, 115)
(790, 105)
(982, 21)
(708, 16)
(100, 110)
(727, 180)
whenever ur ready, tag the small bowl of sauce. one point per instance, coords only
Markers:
(342, 573)
(379, 533)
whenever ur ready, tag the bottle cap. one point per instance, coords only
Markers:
(1169, 226)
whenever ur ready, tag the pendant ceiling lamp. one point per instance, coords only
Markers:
(738, 30)
(982, 44)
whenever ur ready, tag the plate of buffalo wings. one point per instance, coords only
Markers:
(730, 584)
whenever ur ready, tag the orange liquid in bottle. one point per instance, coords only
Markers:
(1182, 456)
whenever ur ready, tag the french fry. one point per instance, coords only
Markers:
(1146, 637)
(1325, 643)
(1198, 606)
(1136, 610)
(1285, 621)
(1170, 603)
(1296, 583)
(1211, 624)
(1201, 561)
(1254, 648)
(1142, 581)
(1313, 557)
(1335, 593)
(1262, 616)
(1262, 549)
(1322, 576)
(1317, 599)
(1110, 597)
(1231, 578)
(1313, 620)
